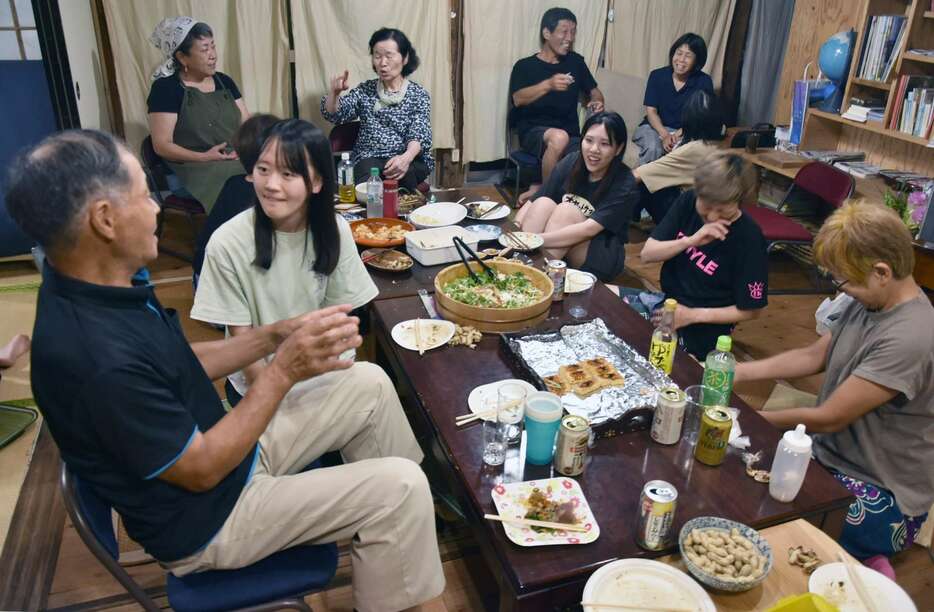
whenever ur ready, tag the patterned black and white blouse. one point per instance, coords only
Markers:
(386, 133)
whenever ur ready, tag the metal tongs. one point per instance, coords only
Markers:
(461, 246)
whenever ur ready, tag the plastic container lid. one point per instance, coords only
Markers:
(724, 343)
(373, 171)
(671, 304)
(797, 440)
(345, 156)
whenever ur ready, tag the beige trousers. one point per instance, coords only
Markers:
(379, 499)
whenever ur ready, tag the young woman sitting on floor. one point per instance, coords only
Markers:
(715, 262)
(290, 253)
(874, 419)
(583, 210)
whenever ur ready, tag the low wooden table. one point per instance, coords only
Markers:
(436, 386)
(784, 579)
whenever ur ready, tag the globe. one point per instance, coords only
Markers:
(834, 55)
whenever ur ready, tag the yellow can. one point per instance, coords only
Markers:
(714, 436)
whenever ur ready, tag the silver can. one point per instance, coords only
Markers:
(669, 415)
(557, 269)
(571, 449)
(656, 514)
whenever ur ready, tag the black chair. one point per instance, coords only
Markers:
(278, 582)
(522, 160)
(161, 181)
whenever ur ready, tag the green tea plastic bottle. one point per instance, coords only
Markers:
(720, 366)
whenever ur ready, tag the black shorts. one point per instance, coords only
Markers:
(533, 141)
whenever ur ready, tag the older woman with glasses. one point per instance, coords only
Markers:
(874, 419)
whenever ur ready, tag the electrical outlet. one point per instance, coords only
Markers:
(455, 155)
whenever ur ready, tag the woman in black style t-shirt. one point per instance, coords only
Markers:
(583, 210)
(716, 264)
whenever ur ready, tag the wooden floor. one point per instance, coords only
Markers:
(80, 583)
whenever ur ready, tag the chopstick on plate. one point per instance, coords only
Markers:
(474, 417)
(375, 255)
(512, 237)
(534, 523)
(852, 572)
(418, 337)
(495, 207)
(621, 606)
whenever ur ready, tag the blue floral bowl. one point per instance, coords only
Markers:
(721, 524)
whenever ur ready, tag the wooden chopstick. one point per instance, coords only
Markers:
(852, 573)
(418, 337)
(495, 207)
(534, 523)
(517, 241)
(619, 606)
(375, 255)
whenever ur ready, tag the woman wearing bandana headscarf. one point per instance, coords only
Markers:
(394, 113)
(194, 110)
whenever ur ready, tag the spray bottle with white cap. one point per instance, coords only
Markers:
(790, 464)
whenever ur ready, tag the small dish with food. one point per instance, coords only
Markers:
(724, 554)
(483, 209)
(521, 241)
(422, 334)
(555, 500)
(389, 260)
(438, 214)
(380, 232)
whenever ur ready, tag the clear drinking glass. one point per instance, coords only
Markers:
(581, 287)
(698, 398)
(510, 408)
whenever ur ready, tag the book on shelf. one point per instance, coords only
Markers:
(881, 45)
(862, 113)
(857, 168)
(913, 106)
(829, 157)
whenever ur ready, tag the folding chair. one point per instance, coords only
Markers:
(278, 582)
(818, 186)
(162, 180)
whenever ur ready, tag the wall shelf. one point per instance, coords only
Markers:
(871, 126)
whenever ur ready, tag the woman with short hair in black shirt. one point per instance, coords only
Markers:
(582, 212)
(715, 259)
(194, 110)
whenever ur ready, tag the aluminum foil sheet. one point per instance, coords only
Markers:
(546, 352)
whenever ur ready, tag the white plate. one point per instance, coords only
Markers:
(485, 205)
(438, 214)
(532, 240)
(485, 232)
(638, 582)
(576, 281)
(885, 594)
(508, 499)
(434, 333)
(483, 398)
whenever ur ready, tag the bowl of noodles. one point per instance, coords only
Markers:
(518, 297)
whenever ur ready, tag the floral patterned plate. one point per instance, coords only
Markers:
(509, 501)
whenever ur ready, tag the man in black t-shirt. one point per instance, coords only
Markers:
(545, 89)
(716, 264)
(134, 412)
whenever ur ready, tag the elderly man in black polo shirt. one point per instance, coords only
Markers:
(133, 410)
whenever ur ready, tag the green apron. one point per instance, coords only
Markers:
(206, 120)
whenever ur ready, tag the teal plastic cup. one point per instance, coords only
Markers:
(543, 412)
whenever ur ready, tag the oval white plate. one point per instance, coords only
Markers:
(484, 232)
(533, 241)
(483, 398)
(637, 582)
(884, 593)
(485, 205)
(434, 333)
(438, 214)
(576, 281)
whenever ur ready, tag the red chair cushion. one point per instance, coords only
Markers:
(776, 227)
(832, 185)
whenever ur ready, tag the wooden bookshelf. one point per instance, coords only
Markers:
(883, 147)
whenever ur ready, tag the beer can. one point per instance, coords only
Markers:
(714, 435)
(669, 415)
(571, 449)
(656, 514)
(557, 270)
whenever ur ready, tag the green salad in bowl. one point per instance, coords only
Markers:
(514, 290)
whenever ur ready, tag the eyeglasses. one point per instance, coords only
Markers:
(838, 285)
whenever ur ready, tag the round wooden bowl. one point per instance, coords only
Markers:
(491, 319)
(377, 223)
